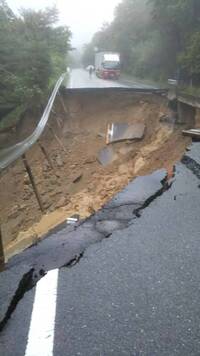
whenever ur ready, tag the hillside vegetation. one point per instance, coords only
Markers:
(33, 53)
(156, 38)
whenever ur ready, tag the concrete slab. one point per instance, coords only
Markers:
(194, 133)
(106, 156)
(123, 131)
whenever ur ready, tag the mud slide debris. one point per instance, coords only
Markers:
(88, 173)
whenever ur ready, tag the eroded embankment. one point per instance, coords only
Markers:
(79, 184)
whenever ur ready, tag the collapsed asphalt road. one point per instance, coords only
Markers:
(68, 242)
(136, 293)
(75, 179)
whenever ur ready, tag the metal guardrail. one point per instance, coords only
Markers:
(176, 92)
(189, 100)
(11, 154)
(173, 82)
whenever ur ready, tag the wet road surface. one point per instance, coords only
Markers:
(80, 79)
(135, 293)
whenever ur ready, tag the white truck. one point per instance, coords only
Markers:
(107, 65)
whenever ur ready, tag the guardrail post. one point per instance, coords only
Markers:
(63, 104)
(173, 89)
(32, 180)
(2, 258)
(56, 137)
(186, 114)
(58, 123)
(43, 149)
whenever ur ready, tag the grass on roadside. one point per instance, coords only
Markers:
(148, 81)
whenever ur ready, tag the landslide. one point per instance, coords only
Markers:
(79, 184)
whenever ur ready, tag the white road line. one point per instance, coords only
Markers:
(41, 332)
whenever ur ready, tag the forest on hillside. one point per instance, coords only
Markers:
(33, 54)
(157, 39)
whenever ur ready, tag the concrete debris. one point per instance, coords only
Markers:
(73, 219)
(194, 133)
(106, 156)
(122, 131)
(59, 161)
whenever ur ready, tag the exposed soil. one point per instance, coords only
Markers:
(79, 184)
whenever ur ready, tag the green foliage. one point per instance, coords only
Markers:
(11, 119)
(156, 38)
(33, 52)
(189, 59)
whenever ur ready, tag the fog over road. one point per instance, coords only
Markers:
(79, 79)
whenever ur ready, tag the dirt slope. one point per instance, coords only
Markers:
(79, 184)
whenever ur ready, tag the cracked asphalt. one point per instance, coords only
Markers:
(136, 292)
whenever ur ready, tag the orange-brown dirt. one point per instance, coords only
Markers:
(79, 184)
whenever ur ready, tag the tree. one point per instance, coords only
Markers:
(189, 59)
(156, 38)
(33, 53)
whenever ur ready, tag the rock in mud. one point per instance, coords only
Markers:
(77, 178)
(59, 161)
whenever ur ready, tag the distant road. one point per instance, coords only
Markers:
(79, 79)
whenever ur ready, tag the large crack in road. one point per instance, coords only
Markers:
(192, 165)
(117, 215)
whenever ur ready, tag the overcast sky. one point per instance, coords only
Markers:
(84, 17)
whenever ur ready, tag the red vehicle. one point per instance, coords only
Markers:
(107, 65)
